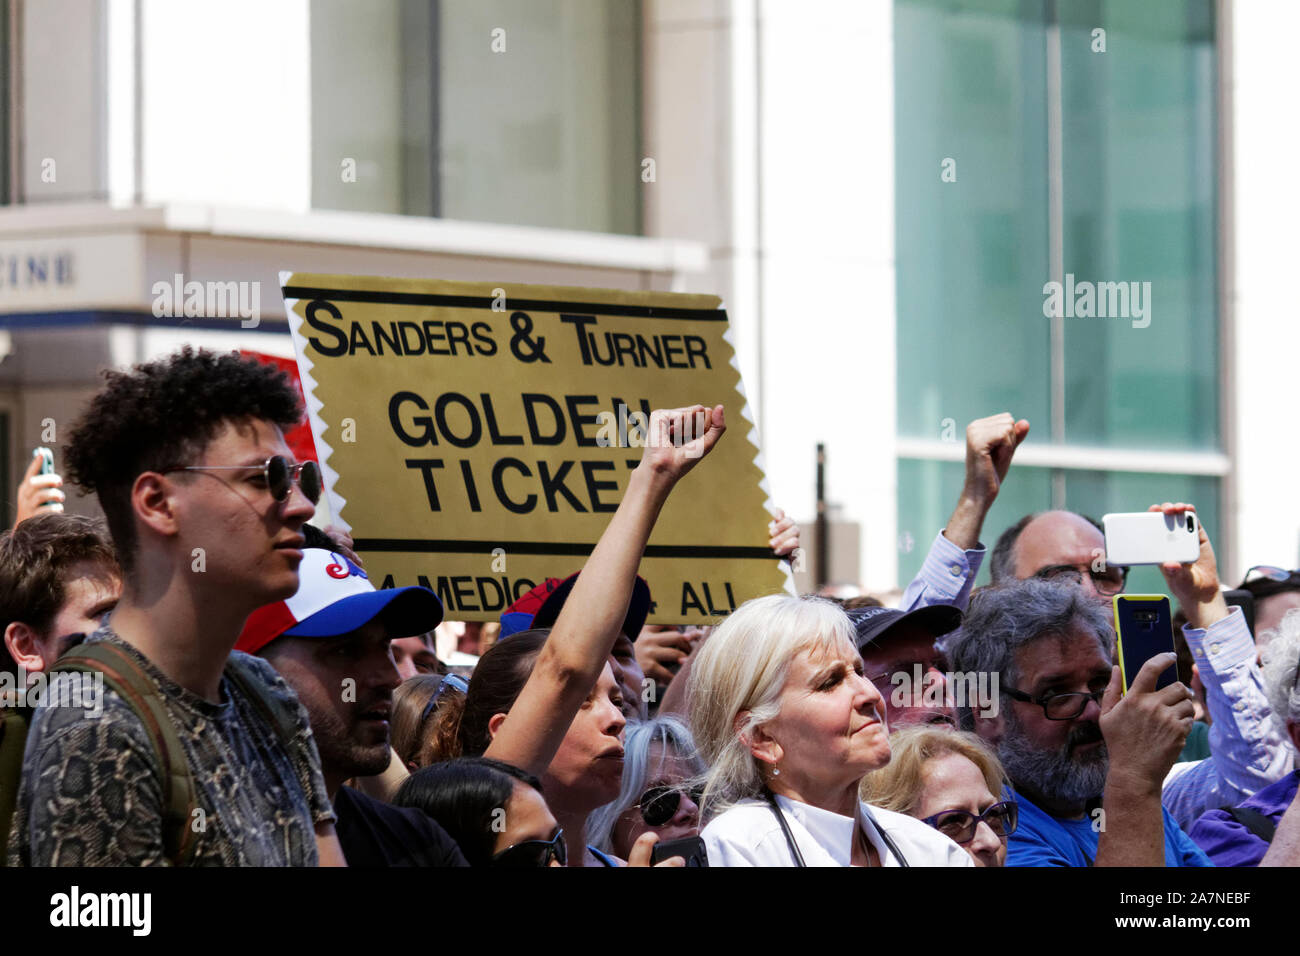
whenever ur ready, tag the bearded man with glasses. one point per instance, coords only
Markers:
(206, 508)
(1248, 751)
(1086, 762)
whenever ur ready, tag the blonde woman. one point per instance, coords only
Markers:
(951, 781)
(788, 726)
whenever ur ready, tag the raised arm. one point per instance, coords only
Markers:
(1248, 748)
(990, 445)
(947, 575)
(571, 660)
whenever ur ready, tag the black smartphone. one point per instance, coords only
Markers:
(1145, 627)
(1244, 600)
(690, 848)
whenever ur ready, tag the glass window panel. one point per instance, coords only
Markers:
(524, 112)
(927, 492)
(971, 254)
(1140, 193)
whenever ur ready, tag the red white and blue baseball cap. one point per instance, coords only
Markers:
(335, 597)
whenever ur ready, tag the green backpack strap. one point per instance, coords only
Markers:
(256, 690)
(133, 685)
(13, 738)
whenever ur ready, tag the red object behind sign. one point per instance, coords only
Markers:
(299, 437)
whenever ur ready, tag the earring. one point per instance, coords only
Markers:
(776, 771)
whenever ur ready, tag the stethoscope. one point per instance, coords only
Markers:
(794, 847)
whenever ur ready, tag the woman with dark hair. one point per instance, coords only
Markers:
(494, 811)
(587, 766)
(499, 676)
(547, 701)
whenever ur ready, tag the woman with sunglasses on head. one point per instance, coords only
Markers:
(789, 725)
(426, 712)
(659, 763)
(951, 781)
(495, 812)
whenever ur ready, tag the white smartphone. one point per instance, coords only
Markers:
(1150, 537)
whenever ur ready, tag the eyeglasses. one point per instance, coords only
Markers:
(278, 474)
(658, 805)
(1269, 572)
(960, 825)
(448, 682)
(1109, 581)
(533, 853)
(1057, 706)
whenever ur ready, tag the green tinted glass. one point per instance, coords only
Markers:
(1139, 196)
(972, 253)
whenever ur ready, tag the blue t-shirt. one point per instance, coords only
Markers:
(1043, 840)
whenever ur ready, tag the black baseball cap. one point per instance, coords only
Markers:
(874, 624)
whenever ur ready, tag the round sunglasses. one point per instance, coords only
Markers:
(658, 805)
(278, 474)
(533, 853)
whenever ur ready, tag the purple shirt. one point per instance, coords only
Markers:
(1229, 843)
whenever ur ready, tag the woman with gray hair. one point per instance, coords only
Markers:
(659, 764)
(788, 726)
(1246, 835)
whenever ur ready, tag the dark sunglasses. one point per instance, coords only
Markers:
(279, 476)
(658, 805)
(533, 853)
(960, 825)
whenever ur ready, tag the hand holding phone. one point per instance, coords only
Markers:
(690, 849)
(39, 491)
(1144, 629)
(1146, 728)
(1151, 537)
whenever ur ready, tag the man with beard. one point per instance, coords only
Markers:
(1086, 762)
(331, 644)
(1247, 749)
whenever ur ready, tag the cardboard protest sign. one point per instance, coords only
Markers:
(476, 438)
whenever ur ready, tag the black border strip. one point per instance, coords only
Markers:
(448, 546)
(485, 302)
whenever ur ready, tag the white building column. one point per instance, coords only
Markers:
(1267, 325)
(827, 267)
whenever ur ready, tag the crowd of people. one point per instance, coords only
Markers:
(263, 703)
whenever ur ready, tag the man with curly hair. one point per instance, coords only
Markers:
(206, 508)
